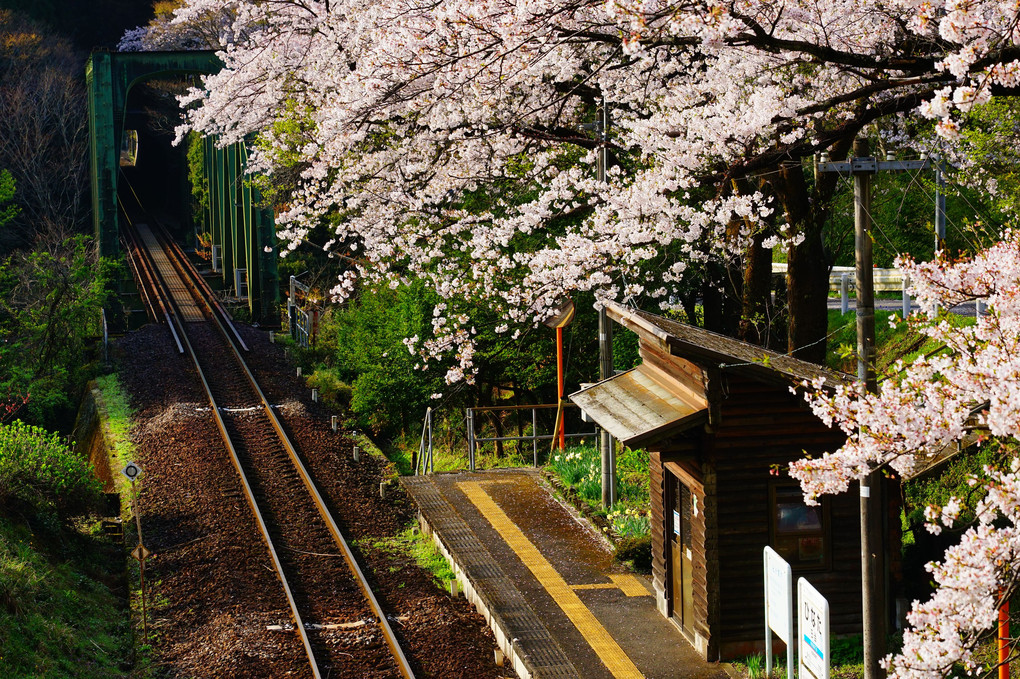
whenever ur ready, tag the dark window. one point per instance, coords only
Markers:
(800, 533)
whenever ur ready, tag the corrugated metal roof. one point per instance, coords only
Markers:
(636, 407)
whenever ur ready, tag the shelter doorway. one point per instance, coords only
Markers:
(681, 547)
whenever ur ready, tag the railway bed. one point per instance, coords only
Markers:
(345, 633)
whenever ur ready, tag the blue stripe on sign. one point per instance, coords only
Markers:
(813, 647)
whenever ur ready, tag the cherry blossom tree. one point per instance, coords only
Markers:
(410, 108)
(448, 142)
(970, 389)
(201, 32)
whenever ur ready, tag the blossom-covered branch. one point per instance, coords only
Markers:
(400, 114)
(919, 410)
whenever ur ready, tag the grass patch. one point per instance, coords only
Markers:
(116, 412)
(118, 417)
(893, 343)
(449, 453)
(418, 548)
(55, 619)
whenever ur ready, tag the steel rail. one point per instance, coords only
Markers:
(193, 280)
(143, 291)
(159, 288)
(249, 494)
(388, 633)
(220, 318)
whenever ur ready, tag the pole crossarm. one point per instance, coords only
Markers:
(870, 165)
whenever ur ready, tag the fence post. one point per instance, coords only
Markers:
(471, 438)
(844, 293)
(906, 296)
(534, 432)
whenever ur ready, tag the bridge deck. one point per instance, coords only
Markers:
(190, 311)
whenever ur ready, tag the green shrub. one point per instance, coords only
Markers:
(637, 550)
(37, 471)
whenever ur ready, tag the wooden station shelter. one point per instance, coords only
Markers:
(721, 425)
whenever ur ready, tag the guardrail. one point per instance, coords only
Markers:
(886, 280)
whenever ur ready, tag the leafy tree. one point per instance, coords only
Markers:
(197, 176)
(8, 209)
(50, 305)
(363, 346)
(44, 138)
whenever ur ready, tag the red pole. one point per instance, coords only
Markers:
(1004, 640)
(559, 383)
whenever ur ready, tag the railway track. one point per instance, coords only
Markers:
(334, 611)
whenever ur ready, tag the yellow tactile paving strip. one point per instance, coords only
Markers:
(625, 582)
(608, 651)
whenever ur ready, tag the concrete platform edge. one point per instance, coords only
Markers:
(503, 639)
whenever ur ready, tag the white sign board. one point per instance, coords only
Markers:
(813, 625)
(132, 471)
(778, 607)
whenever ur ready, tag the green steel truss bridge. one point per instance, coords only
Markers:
(242, 232)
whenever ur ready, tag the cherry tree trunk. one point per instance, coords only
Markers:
(807, 278)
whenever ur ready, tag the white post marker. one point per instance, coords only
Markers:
(813, 626)
(778, 607)
(132, 471)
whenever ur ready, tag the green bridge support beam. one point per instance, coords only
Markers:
(241, 229)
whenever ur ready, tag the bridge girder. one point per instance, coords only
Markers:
(243, 230)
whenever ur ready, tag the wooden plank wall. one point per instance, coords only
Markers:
(659, 527)
(762, 426)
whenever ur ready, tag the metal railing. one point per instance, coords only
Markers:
(302, 326)
(847, 281)
(301, 322)
(534, 437)
(424, 459)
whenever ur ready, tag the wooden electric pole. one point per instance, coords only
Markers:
(873, 615)
(872, 589)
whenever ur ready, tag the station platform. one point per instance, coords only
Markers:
(558, 604)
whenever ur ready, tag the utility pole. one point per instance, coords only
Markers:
(872, 591)
(873, 618)
(606, 447)
(940, 204)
